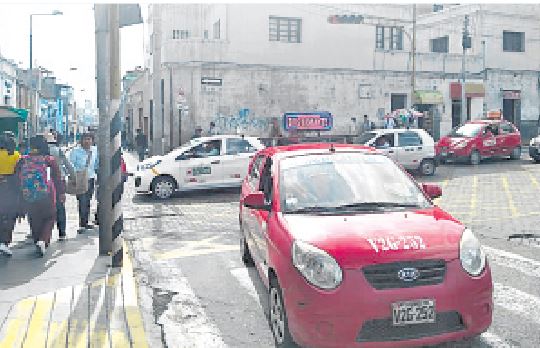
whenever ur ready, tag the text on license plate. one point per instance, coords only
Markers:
(413, 312)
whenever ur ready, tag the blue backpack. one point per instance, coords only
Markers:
(35, 180)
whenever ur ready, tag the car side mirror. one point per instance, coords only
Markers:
(432, 190)
(256, 201)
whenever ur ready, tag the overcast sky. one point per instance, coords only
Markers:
(63, 42)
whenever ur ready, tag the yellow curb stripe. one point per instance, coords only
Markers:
(533, 180)
(132, 311)
(16, 328)
(37, 329)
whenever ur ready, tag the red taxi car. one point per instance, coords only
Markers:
(480, 139)
(355, 254)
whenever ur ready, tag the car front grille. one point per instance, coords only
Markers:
(386, 275)
(380, 330)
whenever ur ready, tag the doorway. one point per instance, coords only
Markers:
(512, 111)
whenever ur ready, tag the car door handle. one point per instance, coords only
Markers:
(215, 162)
(390, 151)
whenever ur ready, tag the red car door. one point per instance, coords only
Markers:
(487, 143)
(511, 137)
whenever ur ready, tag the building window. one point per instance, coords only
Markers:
(389, 38)
(513, 41)
(438, 7)
(217, 30)
(439, 45)
(379, 37)
(285, 29)
(205, 34)
(180, 34)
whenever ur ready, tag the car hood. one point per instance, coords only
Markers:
(356, 240)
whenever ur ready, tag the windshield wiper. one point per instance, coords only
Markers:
(313, 209)
(377, 205)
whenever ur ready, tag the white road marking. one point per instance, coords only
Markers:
(242, 275)
(495, 341)
(527, 266)
(514, 300)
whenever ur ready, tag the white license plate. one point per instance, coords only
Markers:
(413, 312)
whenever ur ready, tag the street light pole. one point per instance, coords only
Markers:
(413, 49)
(465, 45)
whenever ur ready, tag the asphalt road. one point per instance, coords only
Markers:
(197, 293)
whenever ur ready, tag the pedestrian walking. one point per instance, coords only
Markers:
(212, 130)
(84, 158)
(141, 142)
(9, 204)
(40, 184)
(66, 170)
(389, 122)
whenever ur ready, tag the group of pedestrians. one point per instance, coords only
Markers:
(33, 185)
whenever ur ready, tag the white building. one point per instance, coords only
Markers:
(241, 65)
(8, 82)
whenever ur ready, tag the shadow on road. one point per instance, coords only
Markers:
(193, 197)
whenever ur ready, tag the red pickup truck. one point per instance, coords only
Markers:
(477, 140)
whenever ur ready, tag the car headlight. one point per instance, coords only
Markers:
(461, 145)
(149, 165)
(316, 266)
(473, 258)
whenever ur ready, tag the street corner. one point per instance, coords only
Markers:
(102, 313)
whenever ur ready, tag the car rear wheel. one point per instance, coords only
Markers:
(475, 157)
(278, 316)
(163, 187)
(516, 153)
(427, 167)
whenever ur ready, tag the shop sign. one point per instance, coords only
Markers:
(308, 121)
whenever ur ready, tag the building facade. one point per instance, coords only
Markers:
(241, 66)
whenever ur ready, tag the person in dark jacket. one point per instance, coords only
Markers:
(141, 142)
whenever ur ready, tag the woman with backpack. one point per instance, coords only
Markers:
(41, 184)
(9, 203)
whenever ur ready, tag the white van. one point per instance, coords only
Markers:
(414, 149)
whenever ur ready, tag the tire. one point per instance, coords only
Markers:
(247, 259)
(278, 316)
(475, 158)
(427, 167)
(163, 187)
(516, 153)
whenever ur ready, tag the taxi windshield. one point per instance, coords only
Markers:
(468, 130)
(345, 182)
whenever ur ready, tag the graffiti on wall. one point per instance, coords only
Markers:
(243, 122)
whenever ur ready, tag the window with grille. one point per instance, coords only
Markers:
(180, 34)
(389, 38)
(513, 41)
(285, 29)
(439, 44)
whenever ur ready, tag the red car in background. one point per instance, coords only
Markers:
(354, 253)
(476, 140)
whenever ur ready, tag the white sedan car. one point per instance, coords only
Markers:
(219, 161)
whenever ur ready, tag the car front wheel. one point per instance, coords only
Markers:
(475, 157)
(163, 187)
(427, 167)
(516, 153)
(278, 316)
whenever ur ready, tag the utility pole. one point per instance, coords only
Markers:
(413, 49)
(157, 97)
(466, 43)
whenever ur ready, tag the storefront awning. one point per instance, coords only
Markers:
(428, 97)
(13, 113)
(472, 90)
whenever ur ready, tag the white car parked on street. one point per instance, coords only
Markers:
(218, 161)
(414, 149)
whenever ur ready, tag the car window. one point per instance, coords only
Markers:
(468, 130)
(255, 172)
(409, 139)
(207, 149)
(365, 137)
(236, 146)
(506, 128)
(344, 179)
(384, 141)
(266, 182)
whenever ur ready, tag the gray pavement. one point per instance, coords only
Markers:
(196, 291)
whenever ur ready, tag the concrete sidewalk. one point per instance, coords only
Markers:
(70, 297)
